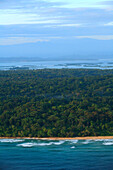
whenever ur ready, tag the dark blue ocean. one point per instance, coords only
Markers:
(56, 155)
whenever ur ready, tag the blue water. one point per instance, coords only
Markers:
(56, 155)
(71, 64)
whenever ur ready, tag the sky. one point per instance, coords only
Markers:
(56, 29)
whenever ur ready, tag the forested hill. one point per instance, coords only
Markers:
(56, 103)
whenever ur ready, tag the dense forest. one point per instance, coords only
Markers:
(56, 103)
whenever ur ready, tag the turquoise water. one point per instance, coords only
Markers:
(56, 155)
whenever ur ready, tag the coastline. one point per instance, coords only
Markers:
(62, 138)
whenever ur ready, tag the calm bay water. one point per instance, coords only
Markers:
(92, 64)
(56, 155)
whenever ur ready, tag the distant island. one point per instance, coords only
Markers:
(57, 103)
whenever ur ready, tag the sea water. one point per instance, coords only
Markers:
(70, 64)
(26, 154)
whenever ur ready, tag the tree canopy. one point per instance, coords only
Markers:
(56, 103)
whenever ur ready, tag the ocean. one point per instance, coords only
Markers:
(26, 154)
(71, 64)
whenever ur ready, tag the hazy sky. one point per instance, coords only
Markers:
(56, 28)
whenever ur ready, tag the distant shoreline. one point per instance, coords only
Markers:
(62, 138)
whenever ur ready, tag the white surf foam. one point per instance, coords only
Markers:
(72, 147)
(87, 142)
(11, 140)
(45, 144)
(72, 141)
(108, 143)
(31, 144)
(108, 140)
(101, 140)
(51, 143)
(58, 143)
(27, 145)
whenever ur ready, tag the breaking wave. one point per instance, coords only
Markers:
(58, 143)
(40, 144)
(11, 140)
(72, 141)
(108, 143)
(33, 143)
(72, 147)
(87, 142)
(27, 145)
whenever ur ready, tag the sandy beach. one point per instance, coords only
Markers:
(62, 138)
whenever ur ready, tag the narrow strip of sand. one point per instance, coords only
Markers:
(62, 138)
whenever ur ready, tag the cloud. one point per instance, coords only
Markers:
(50, 18)
(48, 12)
(107, 2)
(109, 24)
(78, 3)
(12, 17)
(20, 40)
(28, 12)
(65, 25)
(23, 40)
(107, 5)
(70, 25)
(97, 37)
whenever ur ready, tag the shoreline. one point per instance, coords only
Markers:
(62, 138)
